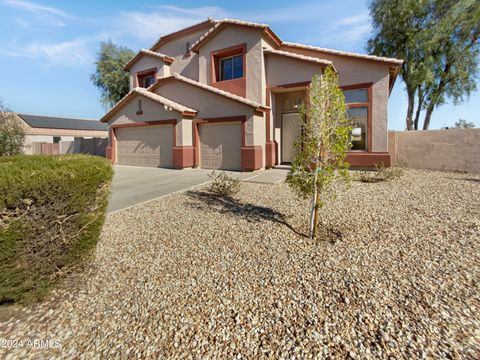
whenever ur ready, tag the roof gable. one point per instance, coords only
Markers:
(144, 52)
(172, 105)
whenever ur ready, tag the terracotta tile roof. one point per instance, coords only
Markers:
(154, 97)
(220, 23)
(207, 23)
(210, 88)
(143, 52)
(342, 53)
(299, 57)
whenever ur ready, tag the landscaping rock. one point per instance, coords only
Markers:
(189, 276)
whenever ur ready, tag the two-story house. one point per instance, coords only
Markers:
(224, 94)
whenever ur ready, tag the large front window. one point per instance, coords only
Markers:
(358, 107)
(231, 67)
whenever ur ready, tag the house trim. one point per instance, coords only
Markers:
(236, 86)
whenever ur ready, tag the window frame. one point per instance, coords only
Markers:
(218, 55)
(141, 75)
(368, 105)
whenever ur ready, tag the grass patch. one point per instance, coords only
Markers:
(380, 174)
(52, 209)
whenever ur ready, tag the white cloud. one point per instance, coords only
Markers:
(35, 7)
(163, 20)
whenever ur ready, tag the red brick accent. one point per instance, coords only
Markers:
(109, 153)
(270, 154)
(183, 156)
(251, 158)
(367, 159)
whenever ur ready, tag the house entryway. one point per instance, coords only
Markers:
(291, 126)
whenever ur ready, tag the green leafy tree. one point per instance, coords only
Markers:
(464, 124)
(12, 135)
(439, 43)
(110, 77)
(320, 149)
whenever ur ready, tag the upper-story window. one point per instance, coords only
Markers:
(231, 67)
(358, 110)
(146, 78)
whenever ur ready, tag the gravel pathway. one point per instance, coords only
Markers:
(397, 276)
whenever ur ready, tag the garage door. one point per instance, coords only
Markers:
(220, 146)
(145, 145)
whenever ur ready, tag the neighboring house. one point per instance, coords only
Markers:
(48, 129)
(225, 94)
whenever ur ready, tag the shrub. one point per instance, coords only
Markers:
(381, 173)
(12, 135)
(223, 185)
(52, 209)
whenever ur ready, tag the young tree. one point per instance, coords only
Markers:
(320, 149)
(439, 43)
(12, 134)
(109, 77)
(464, 124)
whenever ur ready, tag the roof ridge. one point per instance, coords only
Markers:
(342, 52)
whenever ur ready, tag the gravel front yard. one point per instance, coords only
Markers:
(184, 275)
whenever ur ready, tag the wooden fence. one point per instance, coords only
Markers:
(94, 146)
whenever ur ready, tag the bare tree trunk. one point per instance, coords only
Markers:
(411, 104)
(419, 108)
(428, 116)
(313, 211)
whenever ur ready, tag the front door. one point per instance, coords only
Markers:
(291, 126)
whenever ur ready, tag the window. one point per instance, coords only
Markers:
(56, 139)
(358, 111)
(148, 80)
(359, 120)
(187, 47)
(231, 67)
(139, 107)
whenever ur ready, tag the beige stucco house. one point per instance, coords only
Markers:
(225, 94)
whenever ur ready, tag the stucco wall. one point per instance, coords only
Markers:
(208, 104)
(148, 62)
(184, 65)
(282, 70)
(354, 71)
(453, 149)
(235, 35)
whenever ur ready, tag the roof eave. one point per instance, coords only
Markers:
(166, 59)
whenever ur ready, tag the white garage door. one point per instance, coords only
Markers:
(145, 145)
(220, 146)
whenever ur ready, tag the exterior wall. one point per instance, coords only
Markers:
(355, 71)
(186, 65)
(231, 36)
(145, 63)
(451, 150)
(281, 70)
(208, 104)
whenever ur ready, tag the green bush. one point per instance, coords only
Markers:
(223, 185)
(52, 209)
(381, 173)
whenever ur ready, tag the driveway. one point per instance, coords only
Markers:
(133, 185)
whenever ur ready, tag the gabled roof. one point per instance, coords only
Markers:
(321, 62)
(184, 110)
(54, 122)
(222, 23)
(226, 94)
(165, 38)
(342, 53)
(142, 53)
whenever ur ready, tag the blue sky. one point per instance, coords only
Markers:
(48, 48)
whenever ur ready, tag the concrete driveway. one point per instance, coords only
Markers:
(133, 185)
